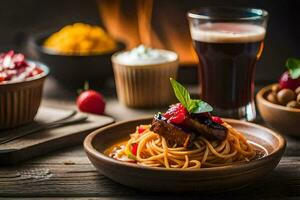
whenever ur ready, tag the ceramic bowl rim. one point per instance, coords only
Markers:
(44, 74)
(148, 65)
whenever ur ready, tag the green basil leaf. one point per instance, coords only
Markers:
(192, 105)
(198, 106)
(293, 65)
(130, 155)
(181, 93)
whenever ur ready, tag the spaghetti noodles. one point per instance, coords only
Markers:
(187, 136)
(151, 149)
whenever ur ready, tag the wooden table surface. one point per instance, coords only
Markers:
(68, 173)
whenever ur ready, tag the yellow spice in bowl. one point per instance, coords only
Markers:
(80, 39)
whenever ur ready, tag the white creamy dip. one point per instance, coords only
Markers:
(143, 55)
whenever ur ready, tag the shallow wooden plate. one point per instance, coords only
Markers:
(215, 179)
(285, 120)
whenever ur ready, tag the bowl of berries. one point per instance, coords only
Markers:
(279, 103)
(21, 87)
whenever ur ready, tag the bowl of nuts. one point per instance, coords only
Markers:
(279, 103)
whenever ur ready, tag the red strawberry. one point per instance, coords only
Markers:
(286, 81)
(217, 119)
(176, 113)
(91, 101)
(34, 72)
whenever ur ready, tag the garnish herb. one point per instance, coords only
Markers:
(192, 105)
(293, 66)
(130, 155)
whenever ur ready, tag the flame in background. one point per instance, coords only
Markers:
(131, 21)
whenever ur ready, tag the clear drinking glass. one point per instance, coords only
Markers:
(228, 42)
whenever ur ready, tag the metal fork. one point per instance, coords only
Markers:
(58, 123)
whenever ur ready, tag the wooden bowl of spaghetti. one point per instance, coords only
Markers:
(269, 145)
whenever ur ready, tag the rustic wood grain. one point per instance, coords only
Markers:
(68, 174)
(45, 141)
(148, 198)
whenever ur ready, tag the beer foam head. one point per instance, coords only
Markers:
(228, 33)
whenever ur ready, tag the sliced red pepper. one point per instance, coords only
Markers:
(141, 129)
(134, 148)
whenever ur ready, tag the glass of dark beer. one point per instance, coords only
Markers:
(228, 42)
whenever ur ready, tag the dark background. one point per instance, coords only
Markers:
(20, 18)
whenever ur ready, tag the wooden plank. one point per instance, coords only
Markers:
(82, 180)
(113, 108)
(164, 197)
(69, 198)
(45, 141)
(293, 147)
(69, 174)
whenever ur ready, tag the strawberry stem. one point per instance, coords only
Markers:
(86, 86)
